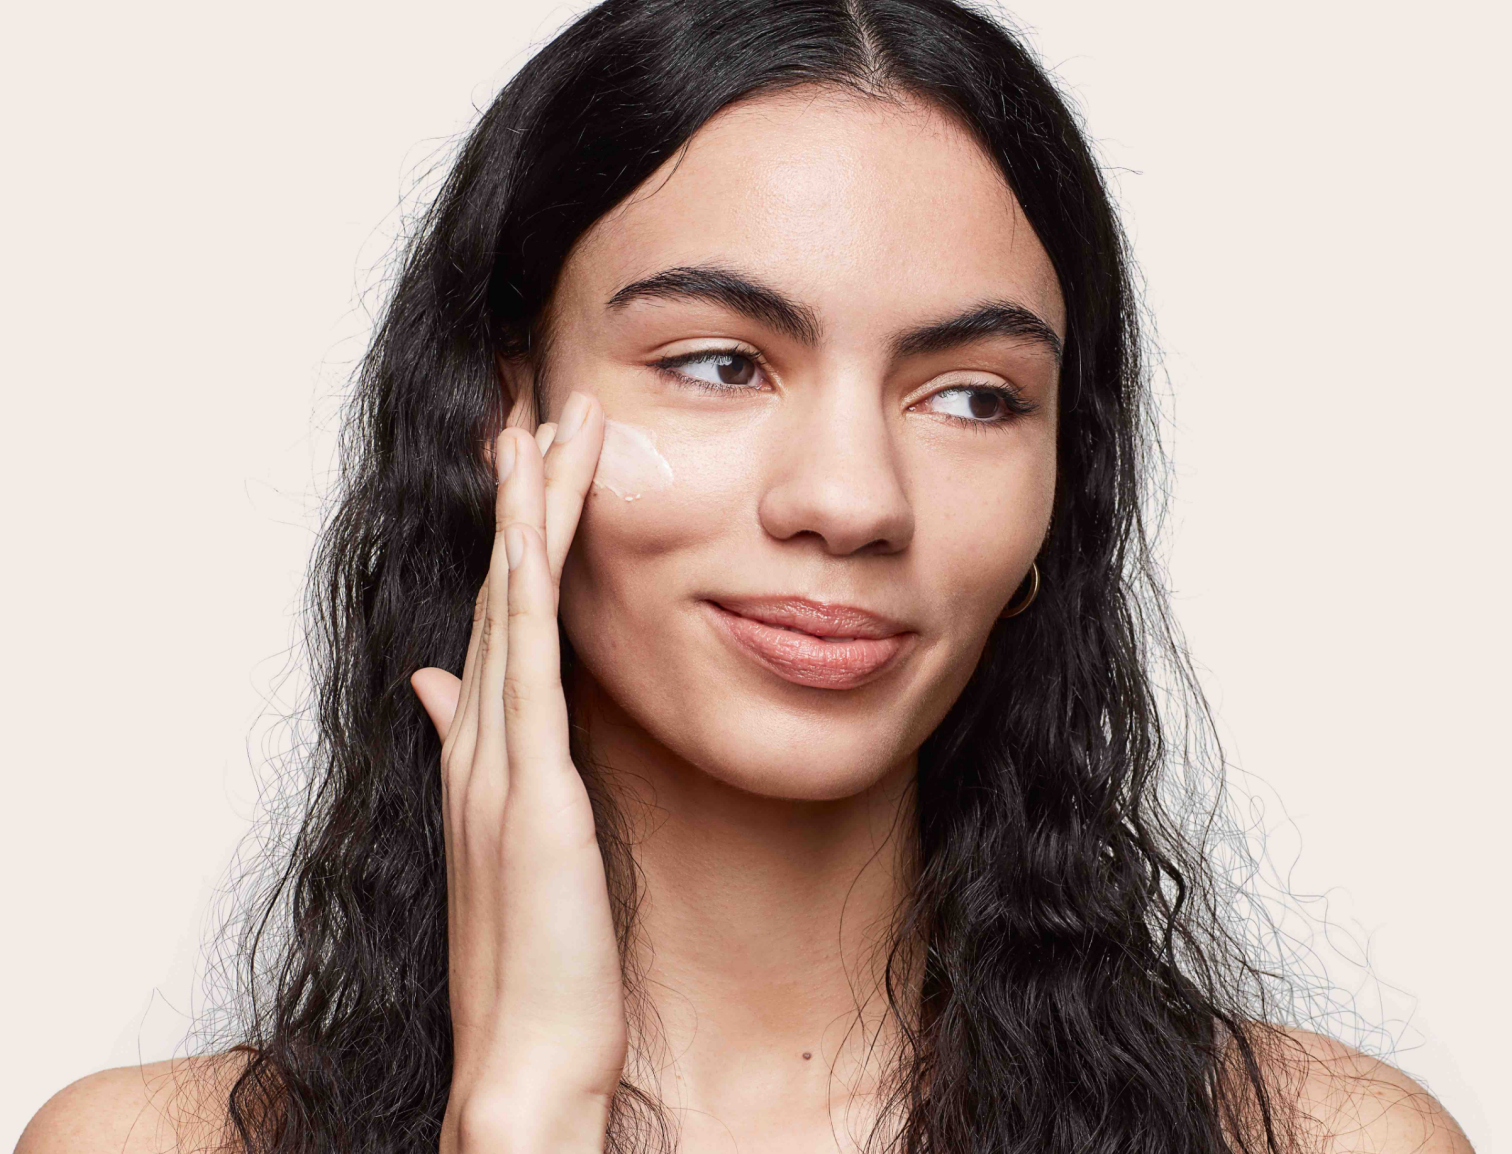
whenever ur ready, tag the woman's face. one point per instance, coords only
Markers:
(825, 339)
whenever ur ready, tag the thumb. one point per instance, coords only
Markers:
(439, 692)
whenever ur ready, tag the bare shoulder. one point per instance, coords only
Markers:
(1351, 1103)
(173, 1107)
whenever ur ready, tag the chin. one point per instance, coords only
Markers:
(760, 752)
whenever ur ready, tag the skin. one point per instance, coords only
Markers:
(840, 473)
(767, 815)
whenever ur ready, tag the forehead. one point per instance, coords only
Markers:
(875, 212)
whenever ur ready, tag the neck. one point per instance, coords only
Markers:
(762, 926)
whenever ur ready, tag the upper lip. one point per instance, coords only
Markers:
(818, 618)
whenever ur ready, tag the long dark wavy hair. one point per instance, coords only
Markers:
(1085, 988)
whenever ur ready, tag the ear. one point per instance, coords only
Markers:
(517, 382)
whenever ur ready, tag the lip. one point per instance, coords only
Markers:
(814, 643)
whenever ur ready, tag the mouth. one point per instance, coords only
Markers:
(812, 643)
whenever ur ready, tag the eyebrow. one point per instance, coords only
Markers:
(748, 296)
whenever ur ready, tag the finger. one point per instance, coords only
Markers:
(514, 451)
(521, 502)
(464, 736)
(570, 466)
(545, 435)
(457, 764)
(522, 493)
(456, 744)
(535, 711)
(439, 692)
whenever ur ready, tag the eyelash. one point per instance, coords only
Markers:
(669, 366)
(1014, 401)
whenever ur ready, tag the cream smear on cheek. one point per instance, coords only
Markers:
(630, 465)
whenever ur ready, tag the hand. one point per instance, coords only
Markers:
(538, 1021)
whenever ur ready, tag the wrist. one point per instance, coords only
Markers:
(518, 1123)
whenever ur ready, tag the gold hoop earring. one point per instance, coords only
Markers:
(1034, 583)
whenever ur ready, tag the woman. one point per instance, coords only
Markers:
(741, 664)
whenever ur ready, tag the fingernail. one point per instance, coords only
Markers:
(506, 457)
(514, 544)
(573, 414)
(544, 436)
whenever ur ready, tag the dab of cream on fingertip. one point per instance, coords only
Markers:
(629, 465)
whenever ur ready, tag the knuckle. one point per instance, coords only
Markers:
(523, 696)
(493, 635)
(517, 697)
(524, 600)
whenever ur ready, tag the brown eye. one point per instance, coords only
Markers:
(985, 405)
(716, 368)
(735, 369)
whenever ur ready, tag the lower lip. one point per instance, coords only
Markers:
(805, 659)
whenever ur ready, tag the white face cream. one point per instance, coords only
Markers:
(629, 466)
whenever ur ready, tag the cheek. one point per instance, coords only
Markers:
(981, 528)
(668, 488)
(630, 465)
(661, 502)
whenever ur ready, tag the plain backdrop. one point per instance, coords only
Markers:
(198, 202)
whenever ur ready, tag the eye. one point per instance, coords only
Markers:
(978, 404)
(716, 369)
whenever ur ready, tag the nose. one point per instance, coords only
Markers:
(836, 476)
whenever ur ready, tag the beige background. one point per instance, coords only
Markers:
(197, 196)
